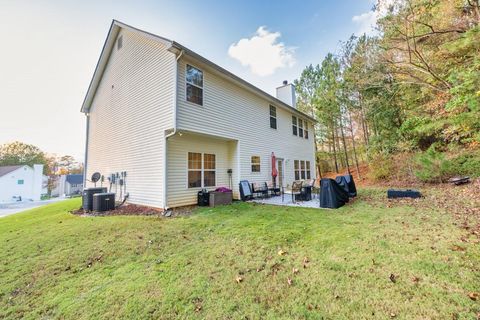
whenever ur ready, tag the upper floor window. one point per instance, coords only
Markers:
(273, 117)
(194, 85)
(300, 128)
(21, 181)
(306, 129)
(255, 163)
(294, 125)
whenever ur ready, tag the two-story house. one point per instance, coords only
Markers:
(176, 123)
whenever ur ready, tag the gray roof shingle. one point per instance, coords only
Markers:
(75, 178)
(7, 169)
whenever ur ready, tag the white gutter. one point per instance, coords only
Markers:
(175, 89)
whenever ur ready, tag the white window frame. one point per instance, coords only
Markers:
(300, 127)
(202, 171)
(305, 171)
(295, 170)
(193, 84)
(305, 129)
(295, 125)
(273, 117)
(259, 164)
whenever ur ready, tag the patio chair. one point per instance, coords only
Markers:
(295, 191)
(274, 190)
(260, 189)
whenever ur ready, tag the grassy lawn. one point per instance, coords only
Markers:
(57, 265)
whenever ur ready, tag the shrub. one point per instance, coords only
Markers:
(432, 166)
(467, 164)
(381, 167)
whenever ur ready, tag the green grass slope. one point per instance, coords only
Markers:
(57, 265)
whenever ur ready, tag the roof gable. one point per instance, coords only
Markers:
(7, 169)
(175, 48)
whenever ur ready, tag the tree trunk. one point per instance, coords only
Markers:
(337, 140)
(353, 145)
(334, 149)
(344, 145)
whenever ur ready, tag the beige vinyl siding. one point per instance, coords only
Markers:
(234, 112)
(177, 152)
(132, 108)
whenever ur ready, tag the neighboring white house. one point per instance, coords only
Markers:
(22, 182)
(176, 123)
(68, 185)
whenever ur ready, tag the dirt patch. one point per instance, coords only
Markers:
(137, 210)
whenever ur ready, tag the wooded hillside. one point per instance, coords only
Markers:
(406, 99)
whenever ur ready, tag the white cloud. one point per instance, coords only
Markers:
(366, 22)
(262, 52)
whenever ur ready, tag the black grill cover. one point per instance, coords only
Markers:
(347, 183)
(332, 195)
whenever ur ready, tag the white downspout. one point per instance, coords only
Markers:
(87, 116)
(175, 89)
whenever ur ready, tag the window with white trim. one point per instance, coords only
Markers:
(273, 117)
(194, 85)
(255, 161)
(301, 169)
(300, 128)
(201, 170)
(194, 170)
(296, 168)
(306, 129)
(294, 125)
(209, 170)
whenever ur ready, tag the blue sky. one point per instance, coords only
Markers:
(50, 49)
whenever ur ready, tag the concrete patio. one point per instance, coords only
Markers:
(287, 201)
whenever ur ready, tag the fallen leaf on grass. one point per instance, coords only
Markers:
(393, 278)
(294, 270)
(305, 261)
(415, 279)
(289, 281)
(474, 295)
(239, 279)
(198, 304)
(281, 252)
(392, 315)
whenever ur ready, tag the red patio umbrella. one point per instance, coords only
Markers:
(274, 168)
